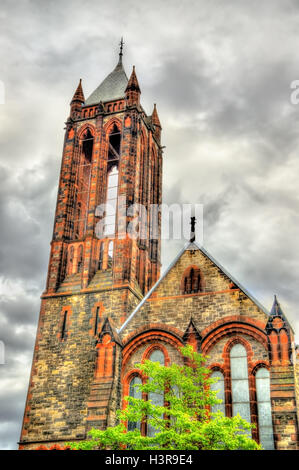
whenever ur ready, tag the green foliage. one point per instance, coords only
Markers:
(184, 422)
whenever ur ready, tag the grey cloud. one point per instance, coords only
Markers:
(20, 310)
(27, 207)
(9, 435)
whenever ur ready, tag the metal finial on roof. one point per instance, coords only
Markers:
(192, 234)
(121, 50)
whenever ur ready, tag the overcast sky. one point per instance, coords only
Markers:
(220, 73)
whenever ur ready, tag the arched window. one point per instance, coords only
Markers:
(156, 398)
(82, 184)
(157, 356)
(143, 200)
(262, 382)
(154, 200)
(142, 167)
(239, 382)
(135, 393)
(78, 219)
(70, 260)
(219, 388)
(192, 281)
(80, 259)
(114, 144)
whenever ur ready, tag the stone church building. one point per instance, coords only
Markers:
(106, 308)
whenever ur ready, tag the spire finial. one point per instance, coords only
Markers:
(192, 223)
(121, 50)
(79, 95)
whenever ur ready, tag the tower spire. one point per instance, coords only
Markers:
(77, 100)
(121, 44)
(156, 121)
(133, 90)
(155, 117)
(78, 95)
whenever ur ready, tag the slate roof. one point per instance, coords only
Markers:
(112, 88)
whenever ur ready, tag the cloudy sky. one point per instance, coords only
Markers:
(220, 73)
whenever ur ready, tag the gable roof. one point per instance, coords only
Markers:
(191, 246)
(111, 88)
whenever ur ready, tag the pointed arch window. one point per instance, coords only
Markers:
(192, 281)
(234, 391)
(143, 199)
(262, 383)
(78, 219)
(154, 200)
(114, 144)
(142, 167)
(239, 382)
(109, 229)
(80, 259)
(157, 356)
(70, 260)
(82, 184)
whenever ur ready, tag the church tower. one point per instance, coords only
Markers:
(106, 308)
(102, 260)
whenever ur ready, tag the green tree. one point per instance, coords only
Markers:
(183, 422)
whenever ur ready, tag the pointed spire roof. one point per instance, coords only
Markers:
(276, 309)
(191, 328)
(79, 95)
(133, 84)
(112, 87)
(109, 328)
(155, 117)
